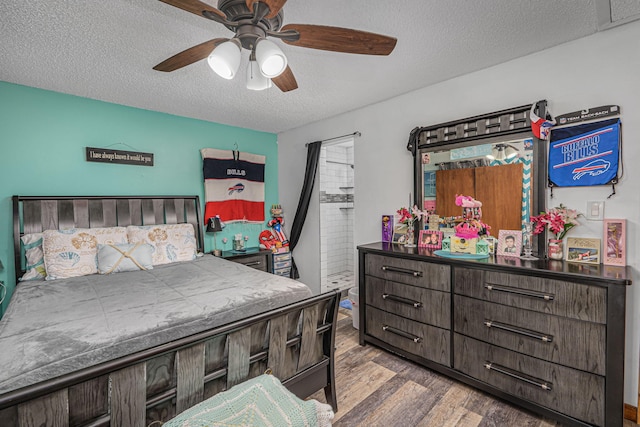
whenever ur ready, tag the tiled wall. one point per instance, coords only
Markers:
(336, 210)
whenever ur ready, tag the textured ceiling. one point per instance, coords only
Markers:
(106, 50)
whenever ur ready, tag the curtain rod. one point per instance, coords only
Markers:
(356, 133)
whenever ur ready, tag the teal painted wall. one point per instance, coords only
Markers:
(43, 136)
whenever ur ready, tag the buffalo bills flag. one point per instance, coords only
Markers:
(585, 155)
(233, 185)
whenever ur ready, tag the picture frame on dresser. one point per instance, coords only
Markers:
(583, 250)
(430, 239)
(615, 236)
(509, 243)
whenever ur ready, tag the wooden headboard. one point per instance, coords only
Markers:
(34, 214)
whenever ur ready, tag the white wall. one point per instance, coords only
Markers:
(598, 70)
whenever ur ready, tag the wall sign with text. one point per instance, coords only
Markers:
(108, 155)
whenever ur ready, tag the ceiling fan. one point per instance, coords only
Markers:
(253, 21)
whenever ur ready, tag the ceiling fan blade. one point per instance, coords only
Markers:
(338, 39)
(286, 81)
(189, 56)
(274, 6)
(194, 6)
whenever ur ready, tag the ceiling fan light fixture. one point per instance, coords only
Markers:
(255, 79)
(511, 152)
(225, 59)
(270, 58)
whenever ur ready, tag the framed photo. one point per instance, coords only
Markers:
(615, 238)
(399, 233)
(430, 239)
(509, 243)
(583, 250)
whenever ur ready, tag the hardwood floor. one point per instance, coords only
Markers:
(377, 388)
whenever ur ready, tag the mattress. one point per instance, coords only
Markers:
(55, 327)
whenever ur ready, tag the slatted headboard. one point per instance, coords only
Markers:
(34, 214)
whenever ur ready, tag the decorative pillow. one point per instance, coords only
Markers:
(124, 257)
(171, 242)
(71, 253)
(260, 401)
(32, 245)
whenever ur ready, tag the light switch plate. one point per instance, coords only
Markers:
(595, 211)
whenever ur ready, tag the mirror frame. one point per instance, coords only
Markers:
(498, 126)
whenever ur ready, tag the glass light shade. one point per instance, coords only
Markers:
(255, 79)
(511, 152)
(225, 59)
(271, 59)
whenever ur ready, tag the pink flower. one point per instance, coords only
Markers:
(406, 217)
(558, 220)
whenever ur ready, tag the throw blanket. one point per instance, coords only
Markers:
(233, 185)
(260, 402)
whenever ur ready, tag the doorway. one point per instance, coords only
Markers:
(337, 250)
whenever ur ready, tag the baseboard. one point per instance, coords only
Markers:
(630, 413)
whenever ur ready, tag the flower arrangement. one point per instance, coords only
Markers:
(409, 217)
(558, 220)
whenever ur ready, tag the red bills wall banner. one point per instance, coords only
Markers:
(233, 185)
(585, 155)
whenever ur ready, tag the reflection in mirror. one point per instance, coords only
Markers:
(497, 173)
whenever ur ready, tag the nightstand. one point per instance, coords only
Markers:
(257, 258)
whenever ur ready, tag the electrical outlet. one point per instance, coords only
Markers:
(595, 211)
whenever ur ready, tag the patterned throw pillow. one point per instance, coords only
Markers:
(171, 242)
(124, 257)
(32, 245)
(261, 401)
(71, 253)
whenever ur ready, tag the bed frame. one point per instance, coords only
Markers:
(295, 342)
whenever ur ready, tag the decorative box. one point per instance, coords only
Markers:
(462, 245)
(482, 247)
(387, 228)
(446, 244)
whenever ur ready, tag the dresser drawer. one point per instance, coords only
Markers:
(575, 393)
(580, 345)
(413, 302)
(417, 338)
(560, 298)
(259, 262)
(411, 272)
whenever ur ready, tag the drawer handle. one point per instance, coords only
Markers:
(403, 334)
(402, 270)
(532, 294)
(251, 264)
(517, 330)
(416, 304)
(519, 376)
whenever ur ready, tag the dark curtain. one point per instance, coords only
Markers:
(313, 155)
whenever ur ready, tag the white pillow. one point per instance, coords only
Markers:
(32, 245)
(171, 242)
(71, 253)
(124, 257)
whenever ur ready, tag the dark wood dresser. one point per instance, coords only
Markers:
(546, 335)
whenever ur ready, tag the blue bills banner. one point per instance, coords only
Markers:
(584, 155)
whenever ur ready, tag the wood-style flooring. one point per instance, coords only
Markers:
(377, 388)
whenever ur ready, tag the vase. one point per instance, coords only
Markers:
(410, 239)
(555, 249)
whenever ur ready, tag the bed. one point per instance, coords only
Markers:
(138, 347)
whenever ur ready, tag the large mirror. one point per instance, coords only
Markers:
(504, 170)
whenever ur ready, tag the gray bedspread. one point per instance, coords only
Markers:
(55, 327)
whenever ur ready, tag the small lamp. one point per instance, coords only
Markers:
(214, 226)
